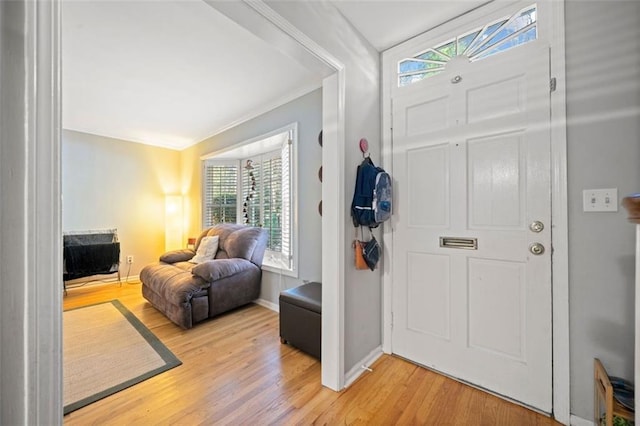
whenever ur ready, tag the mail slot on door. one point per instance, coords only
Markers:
(459, 243)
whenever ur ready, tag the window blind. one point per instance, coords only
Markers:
(272, 201)
(220, 193)
(286, 204)
(266, 203)
(256, 191)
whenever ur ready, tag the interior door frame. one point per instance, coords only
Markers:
(31, 268)
(36, 361)
(552, 32)
(257, 17)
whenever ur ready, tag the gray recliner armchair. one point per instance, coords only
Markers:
(188, 293)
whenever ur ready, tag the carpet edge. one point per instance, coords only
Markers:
(170, 359)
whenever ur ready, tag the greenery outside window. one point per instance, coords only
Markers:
(220, 197)
(494, 37)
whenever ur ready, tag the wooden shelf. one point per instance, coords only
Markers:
(632, 204)
(603, 392)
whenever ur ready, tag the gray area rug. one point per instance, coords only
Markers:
(107, 349)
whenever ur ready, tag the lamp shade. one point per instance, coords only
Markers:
(173, 222)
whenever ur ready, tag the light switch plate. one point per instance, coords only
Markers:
(600, 200)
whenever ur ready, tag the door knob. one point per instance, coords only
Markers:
(536, 226)
(536, 248)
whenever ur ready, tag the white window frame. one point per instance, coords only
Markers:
(237, 154)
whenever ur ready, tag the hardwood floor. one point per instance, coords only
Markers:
(235, 371)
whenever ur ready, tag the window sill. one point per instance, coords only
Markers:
(276, 269)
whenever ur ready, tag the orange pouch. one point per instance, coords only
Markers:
(360, 263)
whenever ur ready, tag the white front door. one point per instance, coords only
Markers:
(471, 160)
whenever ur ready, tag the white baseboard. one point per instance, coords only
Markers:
(128, 280)
(359, 368)
(579, 421)
(98, 281)
(269, 305)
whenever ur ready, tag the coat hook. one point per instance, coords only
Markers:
(364, 147)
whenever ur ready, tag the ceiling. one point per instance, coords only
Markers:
(387, 23)
(172, 73)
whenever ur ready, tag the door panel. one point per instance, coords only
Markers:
(428, 186)
(498, 99)
(496, 170)
(428, 305)
(496, 323)
(428, 116)
(472, 160)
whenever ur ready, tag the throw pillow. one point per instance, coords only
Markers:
(175, 256)
(206, 250)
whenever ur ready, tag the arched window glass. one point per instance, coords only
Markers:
(495, 37)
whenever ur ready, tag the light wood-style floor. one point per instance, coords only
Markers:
(235, 371)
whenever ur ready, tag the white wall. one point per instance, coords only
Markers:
(307, 112)
(603, 132)
(322, 22)
(112, 183)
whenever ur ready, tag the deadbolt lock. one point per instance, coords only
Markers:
(536, 226)
(536, 248)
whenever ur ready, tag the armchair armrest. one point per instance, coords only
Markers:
(216, 269)
(175, 256)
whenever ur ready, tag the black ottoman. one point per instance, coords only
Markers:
(301, 318)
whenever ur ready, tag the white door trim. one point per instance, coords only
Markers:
(553, 31)
(31, 270)
(333, 232)
(560, 221)
(256, 16)
(36, 363)
(333, 201)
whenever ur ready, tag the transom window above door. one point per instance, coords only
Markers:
(494, 37)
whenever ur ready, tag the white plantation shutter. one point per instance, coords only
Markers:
(260, 195)
(220, 193)
(251, 184)
(287, 184)
(272, 199)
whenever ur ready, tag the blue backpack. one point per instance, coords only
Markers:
(371, 203)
